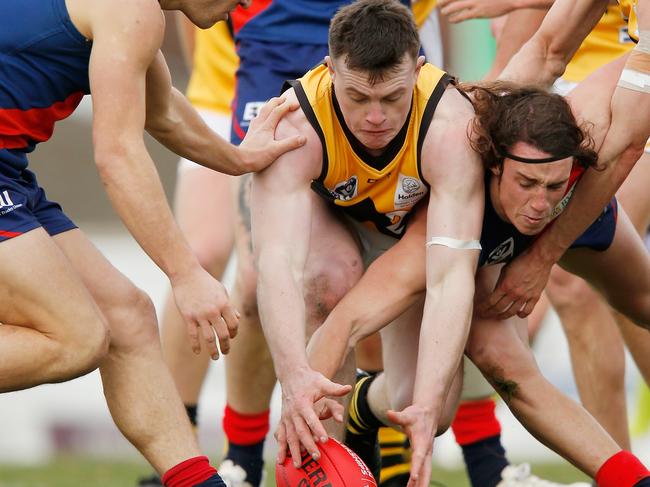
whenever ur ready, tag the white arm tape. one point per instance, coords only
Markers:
(453, 243)
(635, 80)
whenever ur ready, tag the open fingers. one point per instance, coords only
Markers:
(425, 477)
(331, 409)
(281, 438)
(463, 15)
(515, 307)
(417, 460)
(527, 308)
(223, 334)
(305, 437)
(280, 111)
(267, 109)
(316, 429)
(193, 333)
(285, 145)
(293, 442)
(231, 317)
(207, 334)
(454, 7)
(496, 302)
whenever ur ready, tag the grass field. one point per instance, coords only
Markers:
(75, 472)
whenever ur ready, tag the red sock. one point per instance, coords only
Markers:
(189, 473)
(245, 429)
(475, 421)
(621, 470)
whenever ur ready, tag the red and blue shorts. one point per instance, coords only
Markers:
(24, 207)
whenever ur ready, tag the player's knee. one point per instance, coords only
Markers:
(81, 350)
(326, 285)
(212, 255)
(568, 292)
(132, 320)
(245, 293)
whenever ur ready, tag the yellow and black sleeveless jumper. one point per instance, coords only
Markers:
(379, 191)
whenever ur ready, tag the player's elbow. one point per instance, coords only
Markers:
(556, 56)
(111, 154)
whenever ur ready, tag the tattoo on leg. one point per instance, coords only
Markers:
(507, 388)
(244, 200)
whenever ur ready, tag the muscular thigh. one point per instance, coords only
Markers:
(621, 273)
(39, 287)
(634, 194)
(113, 292)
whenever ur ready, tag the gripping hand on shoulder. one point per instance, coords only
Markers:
(260, 148)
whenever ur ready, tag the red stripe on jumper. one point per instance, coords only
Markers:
(19, 128)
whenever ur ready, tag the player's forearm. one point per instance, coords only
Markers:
(282, 312)
(330, 344)
(520, 25)
(134, 188)
(544, 57)
(184, 132)
(443, 334)
(535, 64)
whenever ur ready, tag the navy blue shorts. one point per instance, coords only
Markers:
(24, 207)
(600, 235)
(263, 69)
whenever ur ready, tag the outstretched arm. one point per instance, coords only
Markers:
(118, 69)
(460, 10)
(455, 211)
(544, 57)
(282, 218)
(520, 25)
(173, 121)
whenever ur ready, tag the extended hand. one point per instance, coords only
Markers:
(204, 305)
(259, 148)
(304, 404)
(518, 289)
(418, 424)
(460, 10)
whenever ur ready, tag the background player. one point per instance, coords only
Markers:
(43, 80)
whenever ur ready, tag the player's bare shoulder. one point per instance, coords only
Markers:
(141, 19)
(296, 123)
(446, 152)
(454, 106)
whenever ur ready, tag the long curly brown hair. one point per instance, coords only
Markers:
(507, 113)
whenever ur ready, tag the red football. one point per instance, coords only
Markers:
(338, 467)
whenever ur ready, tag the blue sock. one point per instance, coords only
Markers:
(250, 458)
(214, 481)
(485, 460)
